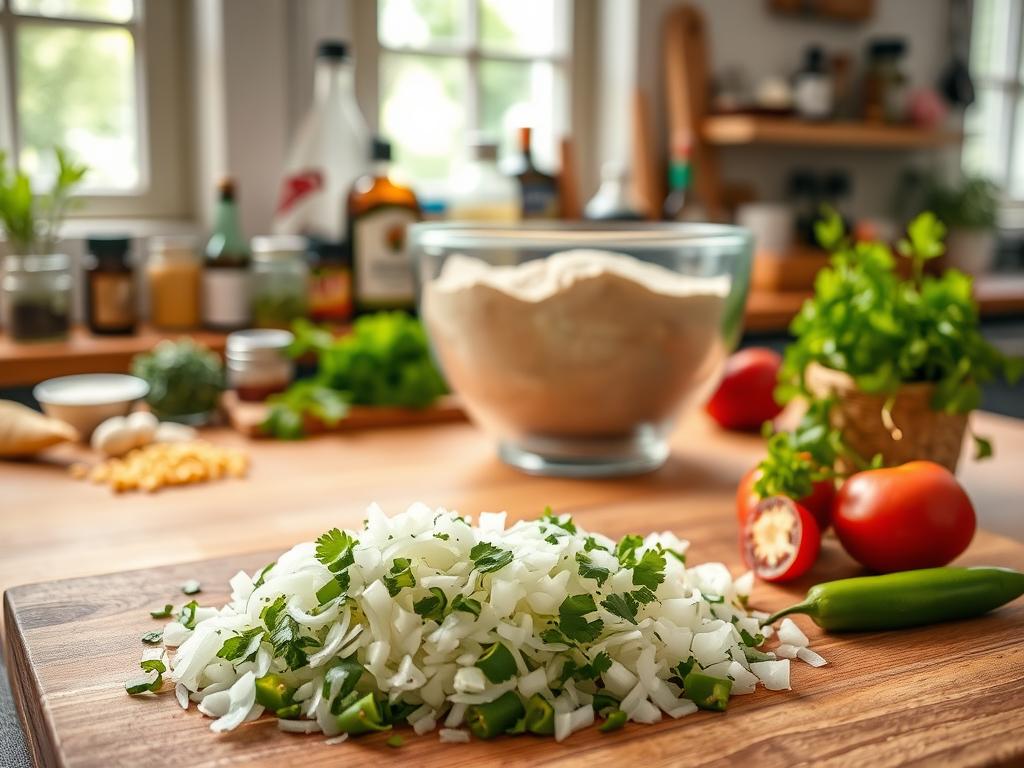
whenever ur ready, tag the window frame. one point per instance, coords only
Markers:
(157, 30)
(575, 18)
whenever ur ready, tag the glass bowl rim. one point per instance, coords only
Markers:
(634, 236)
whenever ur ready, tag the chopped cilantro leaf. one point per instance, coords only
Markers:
(433, 605)
(624, 606)
(650, 571)
(590, 571)
(626, 549)
(643, 595)
(442, 536)
(152, 638)
(153, 665)
(488, 558)
(334, 549)
(590, 544)
(400, 577)
(163, 613)
(571, 621)
(235, 647)
(561, 521)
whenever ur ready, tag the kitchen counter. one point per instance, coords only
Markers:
(54, 527)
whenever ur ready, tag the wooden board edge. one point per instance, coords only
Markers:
(28, 700)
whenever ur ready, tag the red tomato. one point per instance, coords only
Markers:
(744, 398)
(912, 516)
(818, 502)
(781, 540)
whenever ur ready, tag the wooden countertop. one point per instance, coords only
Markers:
(54, 527)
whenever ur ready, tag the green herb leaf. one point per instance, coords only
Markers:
(590, 571)
(624, 606)
(571, 621)
(163, 613)
(488, 558)
(334, 547)
(626, 549)
(650, 571)
(234, 648)
(400, 577)
(152, 638)
(433, 605)
(560, 521)
(263, 575)
(442, 536)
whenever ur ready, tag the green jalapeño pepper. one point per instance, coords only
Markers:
(707, 692)
(495, 717)
(907, 598)
(540, 716)
(273, 693)
(362, 716)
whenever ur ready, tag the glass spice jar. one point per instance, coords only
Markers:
(280, 280)
(37, 297)
(258, 363)
(173, 275)
(110, 305)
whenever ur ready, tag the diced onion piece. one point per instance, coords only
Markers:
(453, 736)
(298, 726)
(774, 674)
(812, 658)
(785, 651)
(790, 634)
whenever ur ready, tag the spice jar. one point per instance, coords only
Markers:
(173, 275)
(37, 297)
(109, 286)
(280, 280)
(258, 363)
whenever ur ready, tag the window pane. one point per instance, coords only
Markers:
(105, 10)
(515, 94)
(984, 152)
(522, 26)
(988, 37)
(423, 112)
(76, 87)
(1017, 171)
(416, 23)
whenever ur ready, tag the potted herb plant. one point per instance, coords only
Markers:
(901, 359)
(970, 211)
(185, 381)
(36, 285)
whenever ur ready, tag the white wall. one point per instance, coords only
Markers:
(745, 35)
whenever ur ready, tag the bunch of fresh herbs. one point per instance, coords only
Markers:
(185, 378)
(31, 222)
(384, 361)
(885, 330)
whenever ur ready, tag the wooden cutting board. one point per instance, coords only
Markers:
(948, 695)
(246, 417)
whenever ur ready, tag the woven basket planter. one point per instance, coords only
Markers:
(915, 431)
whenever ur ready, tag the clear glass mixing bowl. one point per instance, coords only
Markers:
(583, 372)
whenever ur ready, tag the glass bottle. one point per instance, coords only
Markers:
(110, 302)
(225, 300)
(37, 297)
(379, 212)
(480, 192)
(173, 276)
(330, 284)
(679, 178)
(613, 201)
(538, 191)
(331, 149)
(280, 281)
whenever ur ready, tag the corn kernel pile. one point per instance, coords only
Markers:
(159, 465)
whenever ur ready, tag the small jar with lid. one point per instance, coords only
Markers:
(37, 297)
(258, 363)
(173, 275)
(110, 302)
(280, 280)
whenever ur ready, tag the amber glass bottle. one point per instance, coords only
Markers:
(379, 212)
(539, 192)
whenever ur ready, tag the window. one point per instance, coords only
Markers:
(448, 68)
(74, 73)
(994, 124)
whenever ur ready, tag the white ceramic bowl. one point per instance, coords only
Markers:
(87, 400)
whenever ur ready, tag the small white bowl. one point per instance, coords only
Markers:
(87, 400)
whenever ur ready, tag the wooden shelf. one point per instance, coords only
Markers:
(738, 130)
(23, 364)
(768, 311)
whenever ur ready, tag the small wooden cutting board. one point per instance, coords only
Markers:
(246, 417)
(949, 695)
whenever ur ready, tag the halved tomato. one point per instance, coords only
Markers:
(780, 540)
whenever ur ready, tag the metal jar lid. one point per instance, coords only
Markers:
(258, 344)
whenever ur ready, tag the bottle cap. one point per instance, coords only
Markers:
(226, 188)
(332, 49)
(108, 245)
(381, 149)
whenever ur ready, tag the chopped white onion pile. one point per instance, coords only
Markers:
(439, 619)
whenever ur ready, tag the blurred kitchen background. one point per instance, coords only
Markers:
(201, 121)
